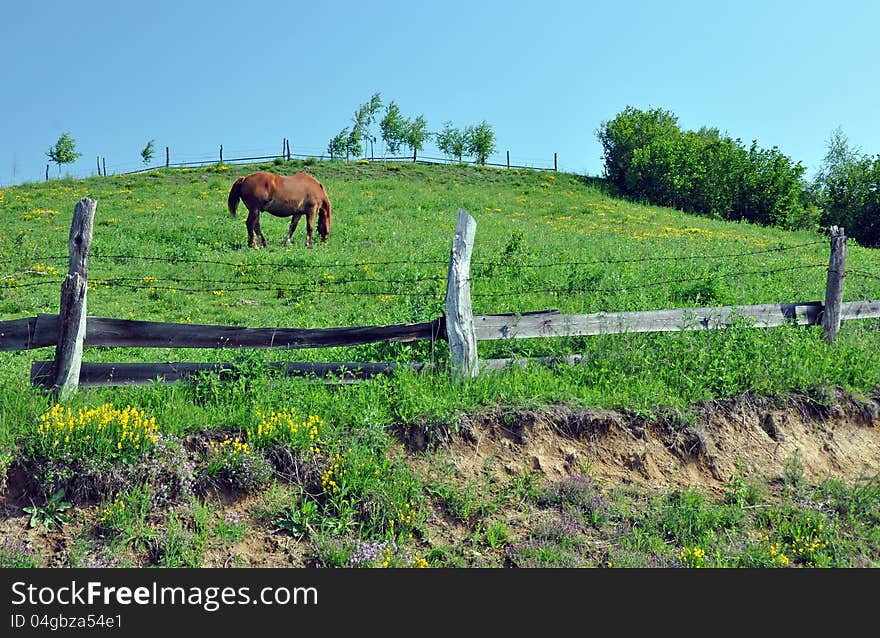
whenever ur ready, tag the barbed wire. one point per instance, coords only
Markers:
(278, 288)
(29, 284)
(239, 264)
(646, 285)
(212, 286)
(862, 273)
(147, 282)
(632, 260)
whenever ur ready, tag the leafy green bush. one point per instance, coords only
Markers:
(648, 157)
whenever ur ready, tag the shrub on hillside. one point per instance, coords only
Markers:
(649, 157)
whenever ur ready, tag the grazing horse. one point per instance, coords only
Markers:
(282, 196)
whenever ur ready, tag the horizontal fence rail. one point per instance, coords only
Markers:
(93, 375)
(552, 324)
(117, 374)
(42, 331)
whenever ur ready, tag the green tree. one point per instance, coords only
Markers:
(364, 117)
(480, 141)
(147, 152)
(452, 141)
(838, 180)
(338, 145)
(416, 134)
(353, 147)
(848, 187)
(393, 127)
(64, 151)
(839, 156)
(630, 130)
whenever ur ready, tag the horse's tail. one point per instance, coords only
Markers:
(234, 195)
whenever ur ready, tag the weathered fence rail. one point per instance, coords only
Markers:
(42, 331)
(116, 374)
(71, 330)
(550, 323)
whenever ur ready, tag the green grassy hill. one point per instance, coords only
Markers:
(166, 249)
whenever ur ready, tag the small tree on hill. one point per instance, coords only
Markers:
(364, 117)
(416, 134)
(64, 151)
(353, 146)
(480, 141)
(147, 152)
(452, 141)
(393, 127)
(338, 145)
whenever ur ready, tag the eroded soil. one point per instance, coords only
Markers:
(837, 437)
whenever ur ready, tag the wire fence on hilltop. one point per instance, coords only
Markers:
(257, 156)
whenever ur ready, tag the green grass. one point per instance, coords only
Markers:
(165, 249)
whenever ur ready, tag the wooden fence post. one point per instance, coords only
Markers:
(167, 157)
(834, 284)
(72, 314)
(459, 312)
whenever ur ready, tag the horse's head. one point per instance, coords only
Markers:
(325, 218)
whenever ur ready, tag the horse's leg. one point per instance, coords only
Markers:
(310, 225)
(309, 210)
(252, 224)
(257, 230)
(294, 220)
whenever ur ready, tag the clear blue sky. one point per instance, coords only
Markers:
(545, 75)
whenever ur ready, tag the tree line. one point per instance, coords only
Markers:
(398, 132)
(649, 157)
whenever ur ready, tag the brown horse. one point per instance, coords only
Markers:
(282, 196)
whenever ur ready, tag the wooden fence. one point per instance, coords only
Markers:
(72, 330)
